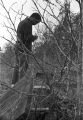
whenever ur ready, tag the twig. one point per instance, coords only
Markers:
(22, 9)
(8, 14)
(7, 39)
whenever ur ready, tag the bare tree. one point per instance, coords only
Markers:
(49, 10)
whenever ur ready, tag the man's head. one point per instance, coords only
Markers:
(35, 18)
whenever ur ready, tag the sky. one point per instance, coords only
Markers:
(28, 9)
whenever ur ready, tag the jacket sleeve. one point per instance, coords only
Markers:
(32, 38)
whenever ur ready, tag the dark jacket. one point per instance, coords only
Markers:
(24, 33)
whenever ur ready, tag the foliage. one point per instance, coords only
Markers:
(8, 55)
(7, 63)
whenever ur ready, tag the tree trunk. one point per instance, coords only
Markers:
(80, 62)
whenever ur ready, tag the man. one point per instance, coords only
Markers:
(24, 41)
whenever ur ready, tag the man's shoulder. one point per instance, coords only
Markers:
(25, 22)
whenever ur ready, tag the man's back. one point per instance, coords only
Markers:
(24, 30)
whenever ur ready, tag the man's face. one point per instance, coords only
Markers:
(34, 21)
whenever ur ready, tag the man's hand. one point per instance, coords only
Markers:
(34, 38)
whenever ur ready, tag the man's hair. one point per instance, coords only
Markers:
(36, 16)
